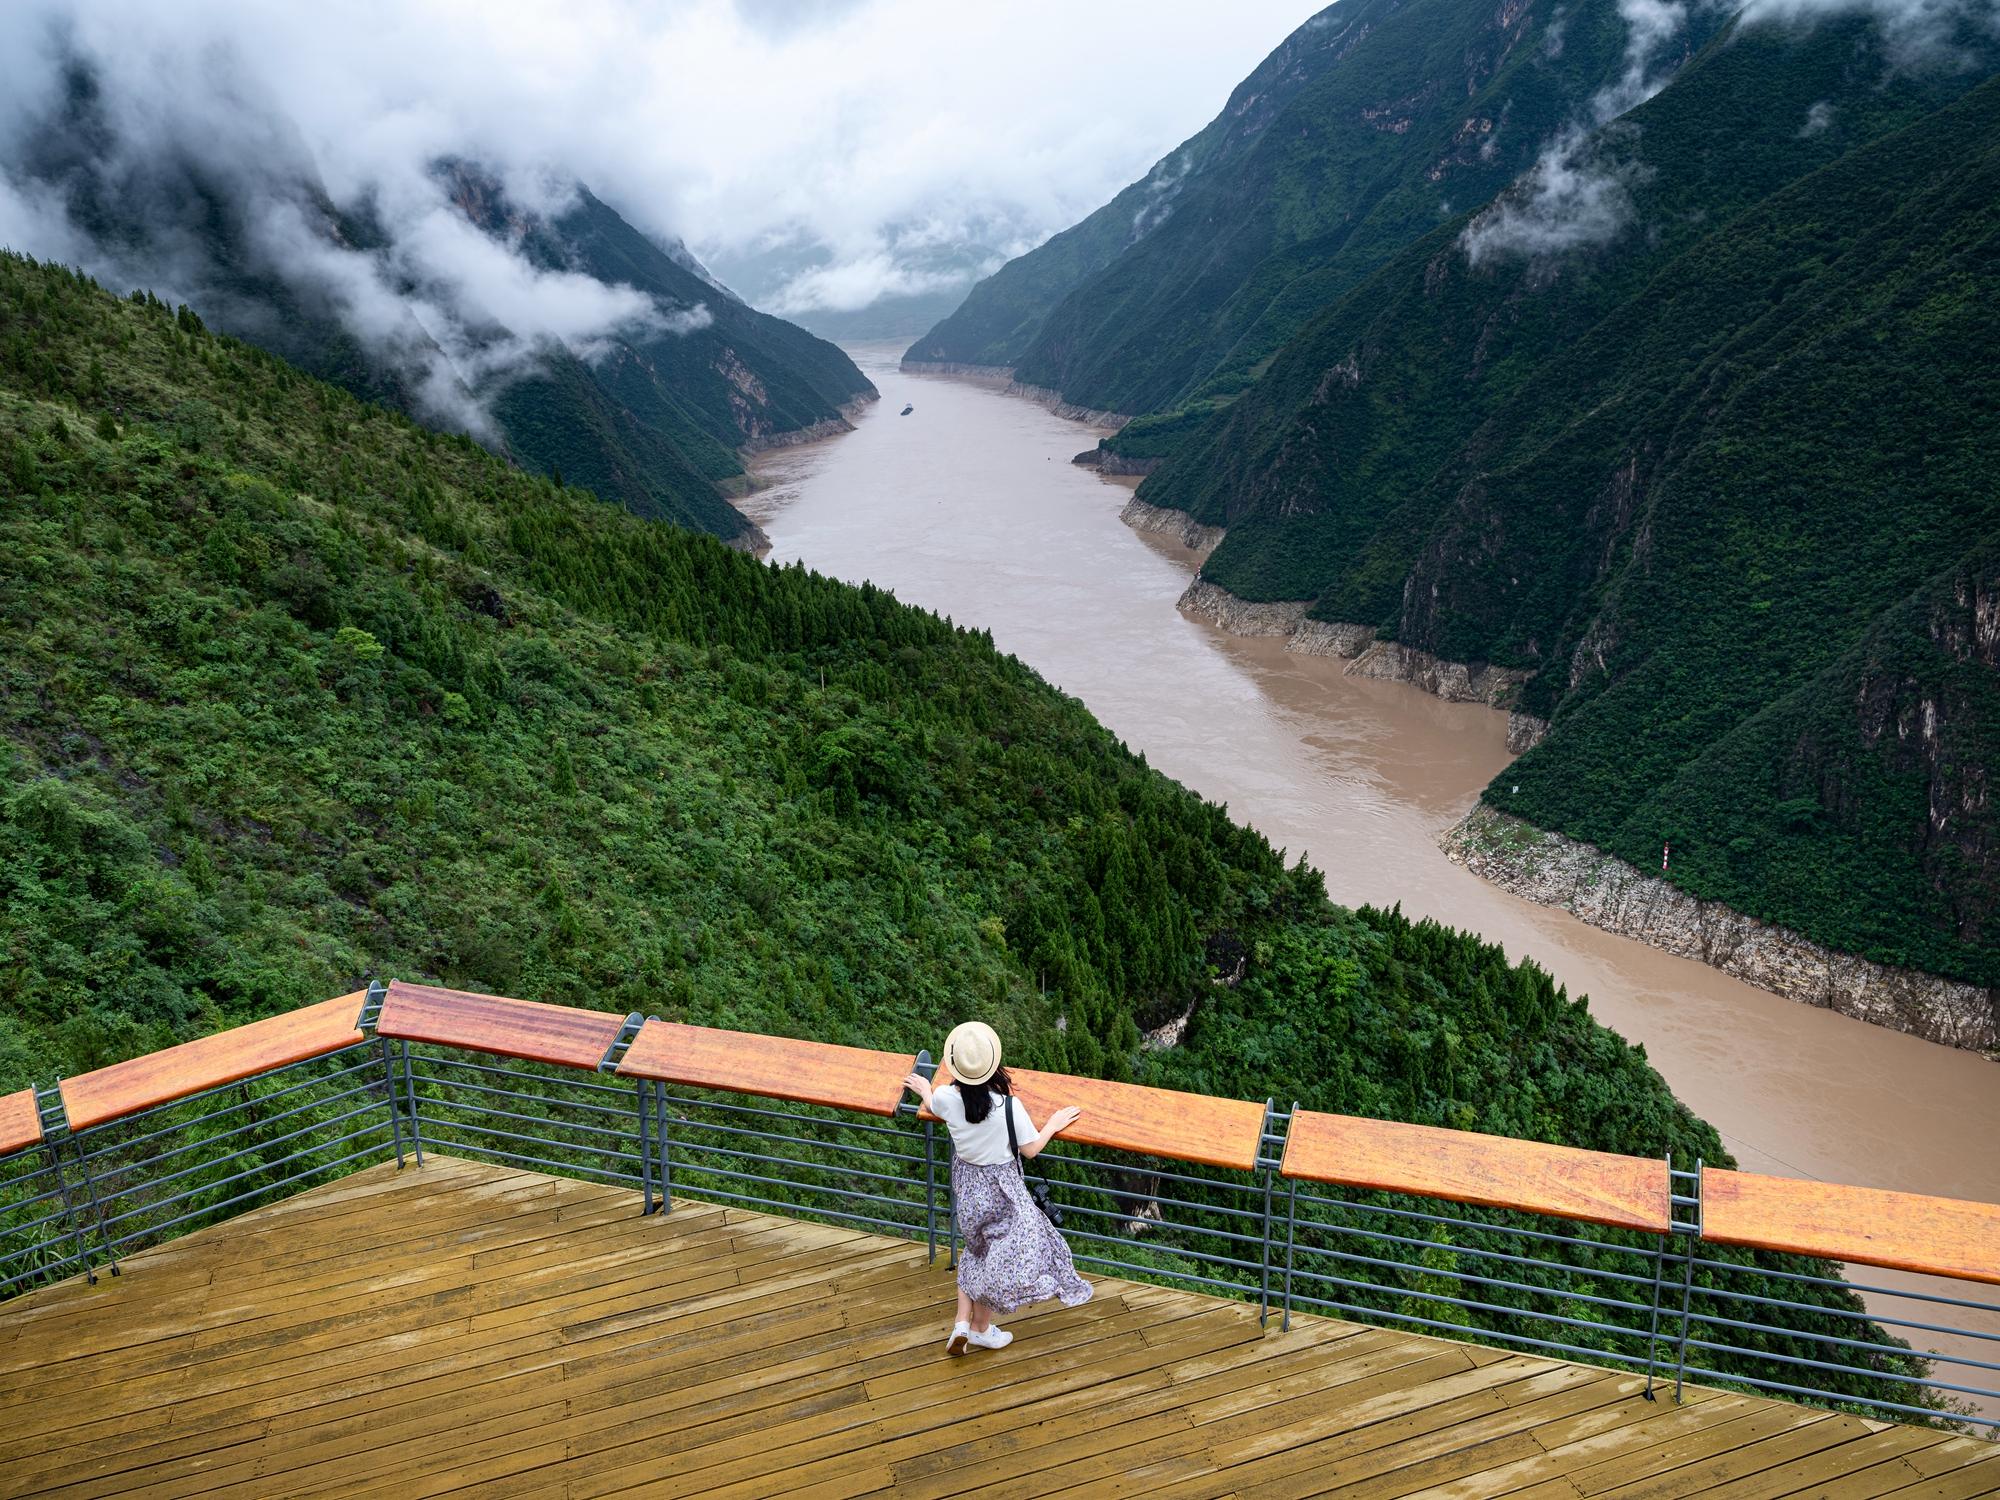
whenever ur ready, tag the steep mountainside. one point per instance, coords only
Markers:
(293, 692)
(1373, 120)
(296, 690)
(652, 415)
(1695, 427)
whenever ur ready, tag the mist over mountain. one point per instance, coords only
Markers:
(506, 302)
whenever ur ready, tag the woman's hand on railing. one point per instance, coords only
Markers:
(1060, 1121)
(919, 1085)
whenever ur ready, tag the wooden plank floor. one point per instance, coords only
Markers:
(473, 1329)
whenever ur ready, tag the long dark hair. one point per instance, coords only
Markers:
(978, 1097)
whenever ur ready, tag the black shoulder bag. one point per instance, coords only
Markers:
(1037, 1188)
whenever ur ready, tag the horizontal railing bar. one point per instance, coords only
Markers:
(488, 1110)
(554, 1080)
(1071, 1207)
(1131, 1267)
(1471, 1305)
(1868, 1345)
(182, 1197)
(1471, 1334)
(1483, 1226)
(433, 1125)
(1822, 1364)
(119, 1148)
(779, 1135)
(903, 1228)
(837, 1121)
(855, 1195)
(1244, 1186)
(810, 1166)
(16, 1230)
(1476, 1280)
(1837, 1283)
(458, 1086)
(1930, 1413)
(1630, 1278)
(567, 1169)
(140, 1234)
(46, 1195)
(128, 1143)
(237, 1155)
(1856, 1315)
(352, 1049)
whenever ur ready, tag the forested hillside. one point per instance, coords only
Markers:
(650, 408)
(295, 693)
(298, 692)
(1691, 474)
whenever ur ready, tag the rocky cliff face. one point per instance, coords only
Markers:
(1609, 893)
(1068, 410)
(1453, 681)
(1116, 465)
(1177, 524)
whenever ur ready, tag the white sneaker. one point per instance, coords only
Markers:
(990, 1338)
(961, 1335)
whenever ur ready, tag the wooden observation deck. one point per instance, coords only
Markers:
(476, 1329)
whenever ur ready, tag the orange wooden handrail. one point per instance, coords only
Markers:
(770, 1066)
(1152, 1122)
(20, 1121)
(531, 1030)
(1867, 1226)
(241, 1052)
(1627, 1192)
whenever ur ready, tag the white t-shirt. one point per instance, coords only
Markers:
(984, 1144)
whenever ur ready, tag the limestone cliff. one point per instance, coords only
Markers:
(1607, 892)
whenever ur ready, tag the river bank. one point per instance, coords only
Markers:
(1610, 894)
(1546, 867)
(971, 506)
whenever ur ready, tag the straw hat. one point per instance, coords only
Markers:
(972, 1052)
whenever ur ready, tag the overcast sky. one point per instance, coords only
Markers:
(729, 122)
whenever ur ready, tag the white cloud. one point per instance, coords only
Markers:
(831, 121)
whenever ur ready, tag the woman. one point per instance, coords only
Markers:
(1012, 1255)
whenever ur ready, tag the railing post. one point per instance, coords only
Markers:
(96, 1207)
(389, 1088)
(666, 1173)
(410, 1099)
(1291, 1224)
(1688, 1243)
(1264, 1291)
(1659, 1265)
(642, 1104)
(49, 1102)
(929, 1070)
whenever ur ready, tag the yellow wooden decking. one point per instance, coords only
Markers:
(473, 1329)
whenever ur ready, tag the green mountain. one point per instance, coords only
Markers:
(294, 692)
(655, 413)
(1694, 426)
(1372, 122)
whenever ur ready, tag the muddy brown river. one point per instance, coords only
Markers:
(970, 506)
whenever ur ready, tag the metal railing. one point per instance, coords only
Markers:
(1672, 1307)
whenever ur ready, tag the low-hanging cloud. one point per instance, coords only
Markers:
(831, 125)
(1579, 191)
(159, 155)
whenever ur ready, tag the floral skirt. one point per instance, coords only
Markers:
(1010, 1254)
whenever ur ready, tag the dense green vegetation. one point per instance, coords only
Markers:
(1676, 477)
(294, 693)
